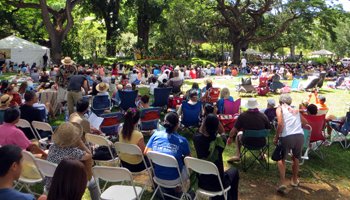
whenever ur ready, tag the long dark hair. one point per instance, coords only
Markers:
(211, 124)
(171, 121)
(131, 117)
(69, 181)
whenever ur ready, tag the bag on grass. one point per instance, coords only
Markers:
(278, 153)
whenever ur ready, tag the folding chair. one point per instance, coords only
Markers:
(213, 95)
(97, 141)
(340, 132)
(24, 182)
(127, 99)
(165, 160)
(161, 96)
(100, 103)
(131, 149)
(206, 168)
(111, 123)
(149, 119)
(116, 192)
(305, 156)
(232, 108)
(246, 87)
(46, 169)
(22, 123)
(42, 126)
(317, 138)
(260, 149)
(191, 115)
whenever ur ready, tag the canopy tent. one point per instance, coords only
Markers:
(322, 52)
(18, 50)
(252, 52)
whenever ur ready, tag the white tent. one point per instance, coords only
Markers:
(322, 52)
(18, 50)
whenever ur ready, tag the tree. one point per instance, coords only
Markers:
(57, 22)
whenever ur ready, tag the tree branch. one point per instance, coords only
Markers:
(46, 17)
(21, 4)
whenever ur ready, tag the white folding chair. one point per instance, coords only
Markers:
(42, 126)
(166, 160)
(98, 140)
(25, 182)
(116, 174)
(22, 123)
(46, 169)
(131, 149)
(206, 168)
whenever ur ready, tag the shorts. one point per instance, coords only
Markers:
(293, 142)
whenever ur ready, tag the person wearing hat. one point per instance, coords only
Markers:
(76, 82)
(68, 144)
(4, 105)
(66, 70)
(102, 88)
(252, 119)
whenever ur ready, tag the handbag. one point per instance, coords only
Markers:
(278, 153)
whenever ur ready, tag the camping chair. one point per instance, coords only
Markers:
(42, 126)
(213, 95)
(100, 141)
(110, 123)
(191, 115)
(206, 168)
(246, 87)
(161, 96)
(305, 156)
(262, 89)
(114, 192)
(256, 150)
(317, 138)
(22, 123)
(132, 149)
(340, 132)
(232, 108)
(149, 119)
(127, 99)
(295, 85)
(100, 103)
(274, 86)
(165, 160)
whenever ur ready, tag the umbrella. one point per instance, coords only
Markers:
(322, 52)
(252, 52)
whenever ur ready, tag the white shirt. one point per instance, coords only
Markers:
(244, 62)
(133, 78)
(162, 77)
(291, 120)
(152, 86)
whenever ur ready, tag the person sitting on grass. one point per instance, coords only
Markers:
(11, 159)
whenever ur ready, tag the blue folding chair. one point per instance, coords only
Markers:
(191, 115)
(111, 122)
(100, 103)
(161, 96)
(127, 99)
(149, 119)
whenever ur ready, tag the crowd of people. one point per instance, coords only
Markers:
(66, 90)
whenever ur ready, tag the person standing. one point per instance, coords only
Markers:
(76, 82)
(62, 78)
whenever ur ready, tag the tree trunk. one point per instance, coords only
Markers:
(111, 41)
(271, 55)
(143, 26)
(236, 55)
(56, 48)
(292, 52)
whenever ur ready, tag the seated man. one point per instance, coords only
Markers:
(11, 135)
(144, 102)
(251, 119)
(10, 171)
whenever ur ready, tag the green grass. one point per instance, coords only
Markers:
(194, 60)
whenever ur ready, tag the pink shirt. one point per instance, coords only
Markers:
(10, 134)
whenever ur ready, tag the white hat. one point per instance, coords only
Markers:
(271, 102)
(252, 103)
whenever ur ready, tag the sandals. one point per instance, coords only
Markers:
(282, 189)
(294, 184)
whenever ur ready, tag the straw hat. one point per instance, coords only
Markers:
(5, 100)
(67, 61)
(252, 103)
(67, 134)
(102, 87)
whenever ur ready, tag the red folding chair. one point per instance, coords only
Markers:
(149, 119)
(317, 138)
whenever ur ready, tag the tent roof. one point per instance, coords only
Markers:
(322, 52)
(13, 42)
(252, 52)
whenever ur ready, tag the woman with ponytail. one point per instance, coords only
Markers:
(209, 146)
(168, 141)
(130, 135)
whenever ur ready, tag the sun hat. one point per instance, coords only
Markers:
(68, 134)
(102, 87)
(252, 103)
(67, 61)
(5, 100)
(271, 102)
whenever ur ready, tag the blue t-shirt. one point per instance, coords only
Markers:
(14, 194)
(171, 144)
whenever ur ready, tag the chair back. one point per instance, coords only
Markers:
(263, 81)
(191, 113)
(127, 99)
(30, 160)
(162, 159)
(22, 123)
(128, 148)
(111, 123)
(100, 141)
(161, 96)
(46, 168)
(317, 122)
(295, 84)
(256, 133)
(41, 126)
(214, 94)
(345, 129)
(42, 111)
(149, 118)
(100, 103)
(231, 107)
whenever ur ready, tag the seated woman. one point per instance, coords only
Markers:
(168, 141)
(195, 86)
(203, 143)
(225, 94)
(209, 109)
(175, 83)
(270, 111)
(193, 99)
(68, 182)
(130, 135)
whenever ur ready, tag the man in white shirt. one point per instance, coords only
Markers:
(244, 62)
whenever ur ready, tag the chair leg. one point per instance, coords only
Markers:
(155, 192)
